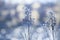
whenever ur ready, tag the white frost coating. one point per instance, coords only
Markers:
(50, 34)
(42, 34)
(14, 39)
(48, 10)
(20, 33)
(46, 39)
(48, 13)
(40, 30)
(16, 31)
(34, 36)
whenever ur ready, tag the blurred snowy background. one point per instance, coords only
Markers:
(29, 19)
